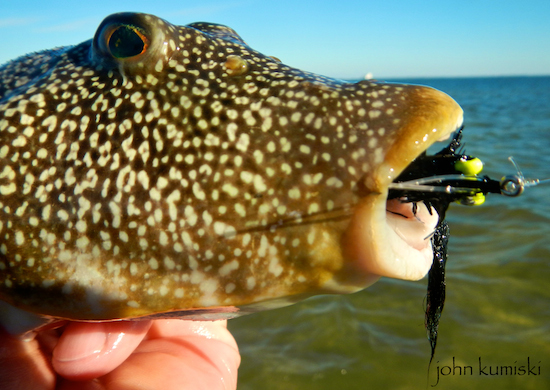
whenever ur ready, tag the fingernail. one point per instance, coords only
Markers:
(81, 342)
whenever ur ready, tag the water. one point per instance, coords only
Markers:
(498, 295)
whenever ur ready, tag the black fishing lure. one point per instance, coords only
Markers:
(439, 180)
(441, 164)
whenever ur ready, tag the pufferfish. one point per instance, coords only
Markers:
(162, 171)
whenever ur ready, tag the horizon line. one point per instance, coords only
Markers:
(448, 77)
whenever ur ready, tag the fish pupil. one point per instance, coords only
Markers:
(127, 41)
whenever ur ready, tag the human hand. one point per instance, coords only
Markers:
(122, 355)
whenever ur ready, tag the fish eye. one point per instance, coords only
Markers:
(125, 41)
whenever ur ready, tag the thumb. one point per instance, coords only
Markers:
(90, 350)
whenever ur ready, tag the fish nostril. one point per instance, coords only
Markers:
(236, 65)
(127, 41)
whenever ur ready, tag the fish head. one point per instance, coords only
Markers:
(160, 170)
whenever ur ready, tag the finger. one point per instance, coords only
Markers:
(23, 365)
(178, 328)
(89, 350)
(180, 355)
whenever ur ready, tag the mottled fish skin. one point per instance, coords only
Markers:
(198, 174)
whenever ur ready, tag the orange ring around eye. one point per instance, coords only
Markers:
(126, 41)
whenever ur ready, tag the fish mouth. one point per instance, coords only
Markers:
(391, 236)
(412, 225)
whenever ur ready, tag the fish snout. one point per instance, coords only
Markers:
(392, 237)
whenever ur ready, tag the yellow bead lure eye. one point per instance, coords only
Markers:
(469, 166)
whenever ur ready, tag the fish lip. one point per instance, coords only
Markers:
(373, 243)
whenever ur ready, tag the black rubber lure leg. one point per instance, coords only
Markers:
(436, 284)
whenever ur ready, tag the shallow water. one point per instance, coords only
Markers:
(497, 312)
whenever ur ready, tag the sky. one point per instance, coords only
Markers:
(343, 39)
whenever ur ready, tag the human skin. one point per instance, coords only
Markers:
(122, 355)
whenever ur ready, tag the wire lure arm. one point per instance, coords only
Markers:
(460, 181)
